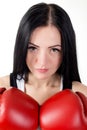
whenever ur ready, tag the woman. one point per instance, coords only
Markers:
(45, 59)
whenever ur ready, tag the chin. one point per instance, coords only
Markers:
(41, 77)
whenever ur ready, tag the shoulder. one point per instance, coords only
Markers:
(5, 81)
(77, 86)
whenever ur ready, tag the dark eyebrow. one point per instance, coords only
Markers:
(33, 44)
(48, 47)
(55, 45)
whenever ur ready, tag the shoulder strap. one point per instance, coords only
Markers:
(13, 80)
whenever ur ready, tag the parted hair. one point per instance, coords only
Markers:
(43, 14)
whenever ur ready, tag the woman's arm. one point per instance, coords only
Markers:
(5, 81)
(77, 86)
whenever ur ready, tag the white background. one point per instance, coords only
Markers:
(11, 12)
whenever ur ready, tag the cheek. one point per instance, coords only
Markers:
(29, 60)
(57, 61)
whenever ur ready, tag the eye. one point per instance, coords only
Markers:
(32, 48)
(55, 50)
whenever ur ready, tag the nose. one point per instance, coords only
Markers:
(42, 58)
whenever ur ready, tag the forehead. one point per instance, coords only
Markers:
(46, 35)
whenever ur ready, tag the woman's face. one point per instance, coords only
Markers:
(44, 55)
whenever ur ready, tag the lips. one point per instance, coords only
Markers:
(42, 70)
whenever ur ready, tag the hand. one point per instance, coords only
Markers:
(64, 111)
(18, 111)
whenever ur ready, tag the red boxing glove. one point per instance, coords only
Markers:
(66, 110)
(18, 111)
(2, 90)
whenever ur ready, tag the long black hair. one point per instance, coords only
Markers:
(43, 14)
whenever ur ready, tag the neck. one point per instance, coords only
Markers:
(51, 81)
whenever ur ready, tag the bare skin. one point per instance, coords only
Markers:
(42, 93)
